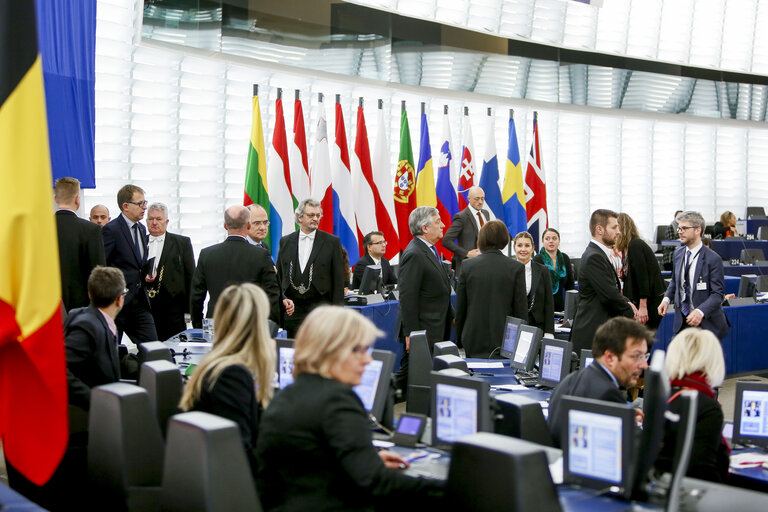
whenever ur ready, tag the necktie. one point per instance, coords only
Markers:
(136, 239)
(685, 306)
(482, 221)
(434, 250)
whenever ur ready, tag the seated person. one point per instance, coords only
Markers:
(695, 361)
(90, 336)
(726, 226)
(620, 348)
(315, 451)
(375, 248)
(234, 380)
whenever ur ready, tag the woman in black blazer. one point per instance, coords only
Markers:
(559, 265)
(314, 449)
(234, 380)
(643, 284)
(541, 309)
(695, 361)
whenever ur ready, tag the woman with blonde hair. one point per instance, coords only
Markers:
(726, 226)
(234, 380)
(315, 451)
(641, 274)
(695, 361)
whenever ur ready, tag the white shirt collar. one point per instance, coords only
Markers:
(695, 249)
(160, 238)
(375, 260)
(304, 236)
(425, 241)
(607, 250)
(127, 221)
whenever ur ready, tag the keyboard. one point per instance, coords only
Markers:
(434, 468)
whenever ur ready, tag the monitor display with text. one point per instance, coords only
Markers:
(750, 423)
(509, 342)
(555, 361)
(528, 340)
(460, 407)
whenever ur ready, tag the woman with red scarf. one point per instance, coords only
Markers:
(695, 361)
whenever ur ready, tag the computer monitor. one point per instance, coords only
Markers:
(656, 393)
(419, 368)
(747, 285)
(761, 283)
(750, 425)
(555, 361)
(460, 407)
(374, 387)
(509, 342)
(598, 444)
(369, 283)
(571, 303)
(585, 358)
(285, 352)
(526, 349)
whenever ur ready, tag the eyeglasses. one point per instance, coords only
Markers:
(683, 228)
(379, 242)
(362, 349)
(140, 204)
(258, 223)
(639, 357)
(125, 291)
(314, 215)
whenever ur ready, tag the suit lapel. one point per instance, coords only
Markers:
(168, 247)
(316, 247)
(110, 341)
(699, 266)
(610, 264)
(431, 257)
(535, 275)
(473, 222)
(128, 237)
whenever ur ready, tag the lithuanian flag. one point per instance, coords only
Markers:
(256, 168)
(33, 384)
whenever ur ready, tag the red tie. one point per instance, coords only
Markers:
(480, 216)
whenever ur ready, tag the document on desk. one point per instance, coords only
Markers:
(510, 387)
(477, 365)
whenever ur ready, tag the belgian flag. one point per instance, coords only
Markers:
(33, 384)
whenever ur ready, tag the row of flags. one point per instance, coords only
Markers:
(356, 189)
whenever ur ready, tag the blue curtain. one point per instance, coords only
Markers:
(67, 41)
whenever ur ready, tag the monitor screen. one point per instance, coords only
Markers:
(366, 390)
(409, 425)
(598, 444)
(528, 339)
(585, 358)
(555, 361)
(285, 366)
(460, 407)
(750, 420)
(509, 342)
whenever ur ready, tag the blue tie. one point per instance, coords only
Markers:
(136, 239)
(685, 306)
(434, 250)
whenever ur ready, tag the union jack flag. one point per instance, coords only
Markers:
(536, 189)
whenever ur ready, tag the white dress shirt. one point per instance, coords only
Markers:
(528, 277)
(306, 242)
(155, 248)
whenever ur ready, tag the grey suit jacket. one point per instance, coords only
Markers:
(461, 236)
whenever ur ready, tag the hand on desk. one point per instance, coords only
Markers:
(392, 460)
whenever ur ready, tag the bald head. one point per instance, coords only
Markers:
(99, 215)
(476, 198)
(237, 220)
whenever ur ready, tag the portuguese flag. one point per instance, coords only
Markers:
(405, 183)
(33, 383)
(256, 168)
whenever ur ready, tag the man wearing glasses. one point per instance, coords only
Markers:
(697, 281)
(620, 349)
(259, 227)
(375, 246)
(309, 267)
(125, 246)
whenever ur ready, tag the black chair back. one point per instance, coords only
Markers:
(163, 382)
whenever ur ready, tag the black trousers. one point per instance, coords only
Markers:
(136, 321)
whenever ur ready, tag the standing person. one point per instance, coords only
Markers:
(80, 246)
(695, 361)
(125, 246)
(314, 448)
(697, 281)
(643, 284)
(259, 227)
(375, 247)
(491, 287)
(425, 291)
(461, 237)
(230, 262)
(559, 265)
(234, 380)
(100, 215)
(309, 267)
(169, 291)
(538, 286)
(600, 295)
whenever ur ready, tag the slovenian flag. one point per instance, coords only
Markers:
(447, 202)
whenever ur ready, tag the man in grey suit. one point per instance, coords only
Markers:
(461, 237)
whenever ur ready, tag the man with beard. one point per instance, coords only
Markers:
(600, 295)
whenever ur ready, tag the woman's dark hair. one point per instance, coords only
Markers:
(493, 235)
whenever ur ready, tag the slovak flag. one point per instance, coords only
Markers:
(467, 171)
(536, 189)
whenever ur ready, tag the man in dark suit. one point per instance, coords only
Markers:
(491, 287)
(425, 291)
(232, 261)
(310, 269)
(620, 349)
(125, 246)
(375, 246)
(461, 237)
(80, 245)
(600, 295)
(174, 265)
(697, 281)
(259, 227)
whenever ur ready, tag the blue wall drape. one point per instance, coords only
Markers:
(67, 41)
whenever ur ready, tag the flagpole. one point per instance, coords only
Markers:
(279, 93)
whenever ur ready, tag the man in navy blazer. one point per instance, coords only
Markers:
(697, 281)
(375, 247)
(125, 246)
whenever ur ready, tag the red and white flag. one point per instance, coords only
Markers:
(536, 189)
